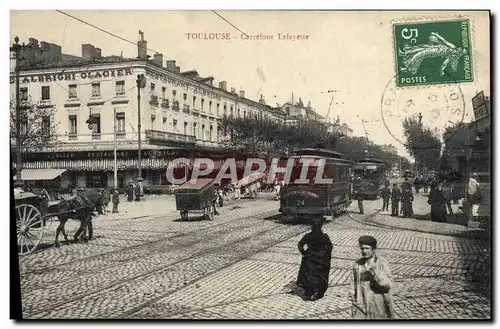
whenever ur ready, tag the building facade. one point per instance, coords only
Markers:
(179, 113)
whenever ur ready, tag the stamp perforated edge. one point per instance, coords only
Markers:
(423, 19)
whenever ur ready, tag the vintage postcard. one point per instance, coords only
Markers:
(237, 165)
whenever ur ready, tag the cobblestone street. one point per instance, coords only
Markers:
(147, 263)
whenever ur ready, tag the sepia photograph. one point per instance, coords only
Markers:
(250, 165)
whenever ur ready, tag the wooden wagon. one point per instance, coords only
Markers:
(196, 196)
(34, 214)
(250, 185)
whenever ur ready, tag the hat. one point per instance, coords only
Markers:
(368, 240)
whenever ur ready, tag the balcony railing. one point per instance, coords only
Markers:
(175, 106)
(153, 100)
(165, 103)
(96, 136)
(162, 136)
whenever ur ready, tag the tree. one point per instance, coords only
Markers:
(422, 142)
(38, 127)
(457, 139)
(251, 134)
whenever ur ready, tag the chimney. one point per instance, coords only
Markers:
(142, 47)
(158, 59)
(51, 52)
(223, 85)
(242, 94)
(98, 53)
(88, 52)
(171, 65)
(33, 42)
(177, 69)
(262, 100)
(309, 104)
(233, 90)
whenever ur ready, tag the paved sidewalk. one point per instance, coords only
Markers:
(421, 222)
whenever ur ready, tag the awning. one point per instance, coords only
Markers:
(95, 164)
(40, 174)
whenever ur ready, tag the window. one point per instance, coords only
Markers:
(210, 106)
(202, 103)
(194, 102)
(202, 131)
(73, 124)
(185, 96)
(152, 87)
(45, 93)
(244, 114)
(23, 93)
(174, 92)
(239, 114)
(225, 109)
(194, 128)
(164, 124)
(175, 125)
(163, 91)
(153, 119)
(96, 90)
(120, 124)
(120, 88)
(96, 131)
(185, 128)
(211, 132)
(218, 108)
(72, 92)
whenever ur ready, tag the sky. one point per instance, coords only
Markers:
(349, 52)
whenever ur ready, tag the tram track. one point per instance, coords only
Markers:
(142, 245)
(145, 275)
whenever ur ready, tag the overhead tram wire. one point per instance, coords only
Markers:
(225, 20)
(103, 30)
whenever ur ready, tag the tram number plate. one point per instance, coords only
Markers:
(299, 202)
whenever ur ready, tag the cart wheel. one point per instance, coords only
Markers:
(29, 224)
(184, 215)
(209, 213)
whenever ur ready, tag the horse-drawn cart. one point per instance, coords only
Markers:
(196, 196)
(34, 213)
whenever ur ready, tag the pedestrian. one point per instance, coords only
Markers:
(385, 193)
(130, 191)
(425, 183)
(447, 196)
(372, 283)
(360, 197)
(115, 200)
(417, 183)
(137, 190)
(437, 202)
(405, 185)
(315, 265)
(395, 197)
(406, 200)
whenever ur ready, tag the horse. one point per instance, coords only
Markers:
(81, 208)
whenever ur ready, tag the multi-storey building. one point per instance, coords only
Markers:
(179, 112)
(297, 111)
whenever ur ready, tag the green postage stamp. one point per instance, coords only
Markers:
(433, 52)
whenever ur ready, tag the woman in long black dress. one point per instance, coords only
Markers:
(315, 265)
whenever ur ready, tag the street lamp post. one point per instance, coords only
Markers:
(141, 83)
(17, 49)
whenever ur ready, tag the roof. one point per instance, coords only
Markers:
(40, 174)
(318, 152)
(198, 183)
(250, 178)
